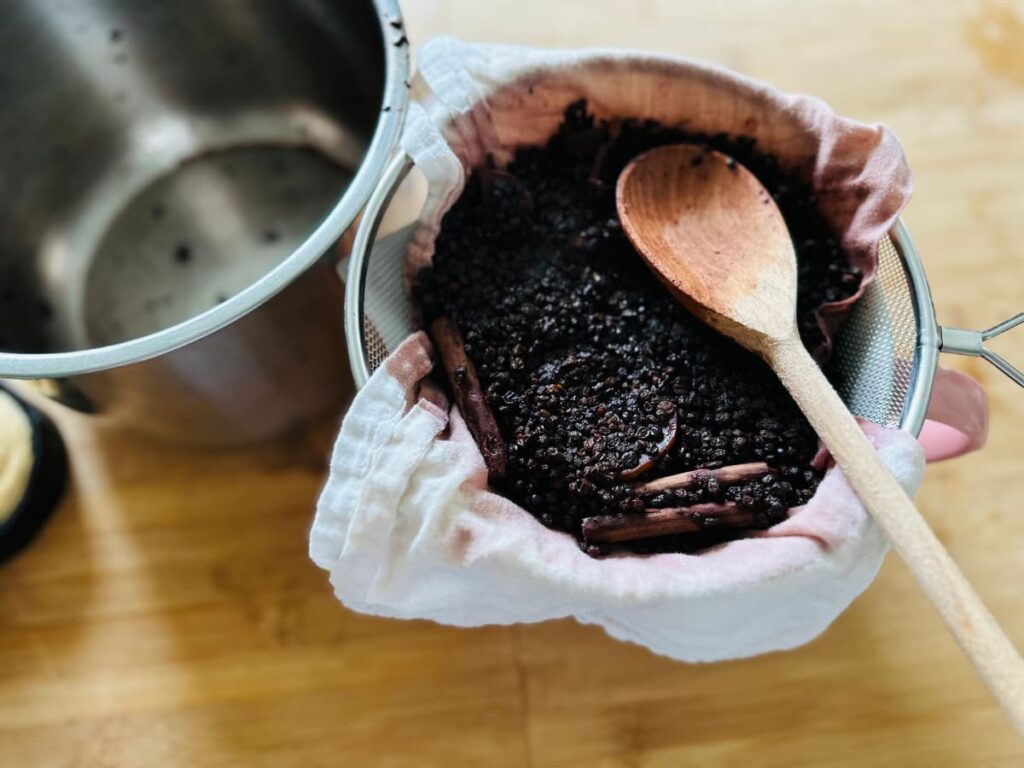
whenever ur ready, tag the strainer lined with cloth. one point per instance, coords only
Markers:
(406, 525)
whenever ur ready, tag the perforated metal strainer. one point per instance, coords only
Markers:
(883, 363)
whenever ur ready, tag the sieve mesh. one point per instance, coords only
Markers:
(376, 349)
(873, 359)
(387, 318)
(873, 366)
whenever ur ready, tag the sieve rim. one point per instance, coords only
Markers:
(359, 261)
(926, 352)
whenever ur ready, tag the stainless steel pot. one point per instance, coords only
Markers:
(167, 169)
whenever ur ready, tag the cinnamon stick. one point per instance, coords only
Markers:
(736, 473)
(469, 395)
(663, 522)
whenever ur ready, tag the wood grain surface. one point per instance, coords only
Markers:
(170, 617)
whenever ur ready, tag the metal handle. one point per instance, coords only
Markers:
(972, 343)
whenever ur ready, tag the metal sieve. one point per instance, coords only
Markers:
(883, 361)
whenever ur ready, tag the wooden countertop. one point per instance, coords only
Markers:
(170, 617)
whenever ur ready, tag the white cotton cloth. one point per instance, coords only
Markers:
(406, 525)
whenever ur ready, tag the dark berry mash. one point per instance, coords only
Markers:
(588, 365)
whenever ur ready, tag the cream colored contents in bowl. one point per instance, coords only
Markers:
(15, 455)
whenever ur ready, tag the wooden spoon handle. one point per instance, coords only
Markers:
(981, 638)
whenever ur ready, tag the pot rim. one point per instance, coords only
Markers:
(389, 124)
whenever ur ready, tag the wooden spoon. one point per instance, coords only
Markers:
(714, 236)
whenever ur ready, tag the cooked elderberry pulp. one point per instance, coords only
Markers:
(583, 379)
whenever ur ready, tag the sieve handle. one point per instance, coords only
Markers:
(972, 343)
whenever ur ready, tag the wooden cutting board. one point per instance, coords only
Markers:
(170, 617)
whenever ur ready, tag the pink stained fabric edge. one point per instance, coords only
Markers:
(957, 418)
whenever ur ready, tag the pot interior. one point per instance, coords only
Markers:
(161, 157)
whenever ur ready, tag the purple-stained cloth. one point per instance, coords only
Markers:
(407, 526)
